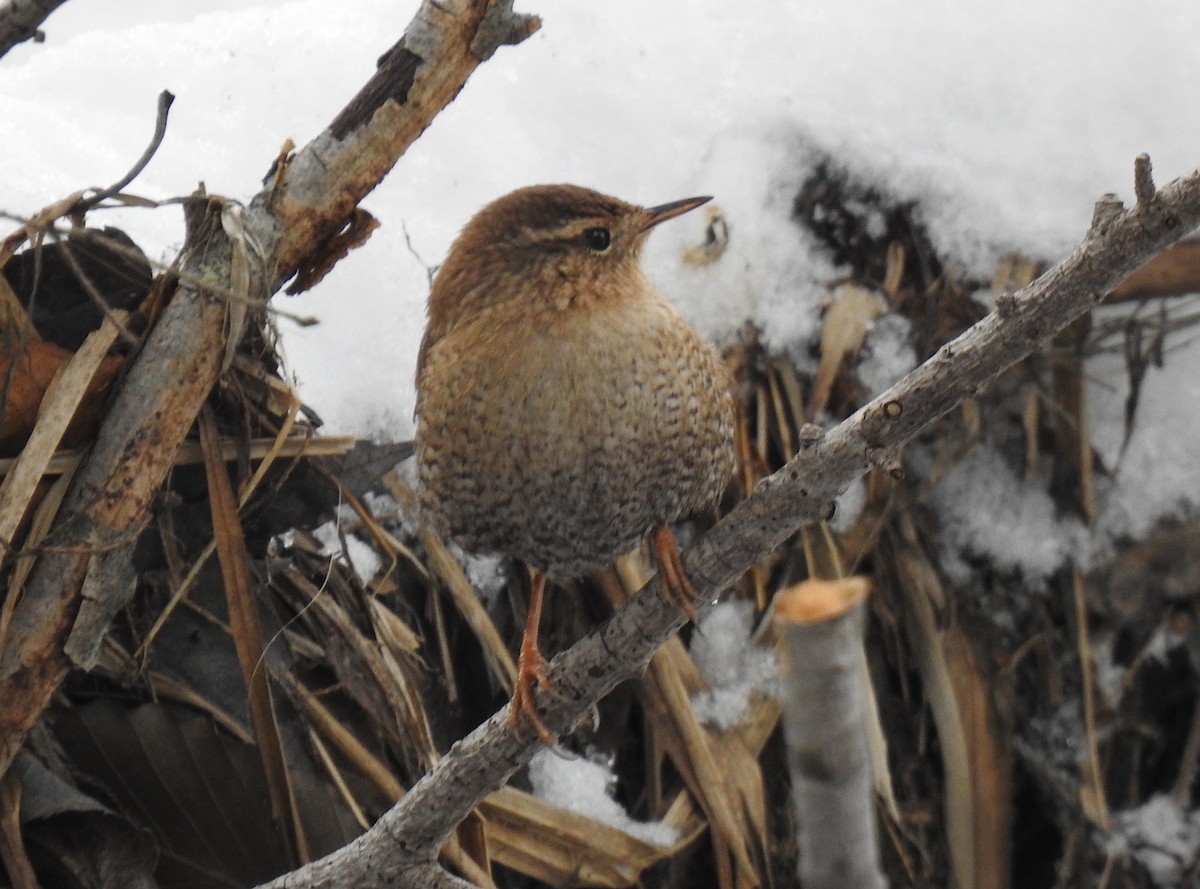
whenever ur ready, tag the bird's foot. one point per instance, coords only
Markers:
(675, 584)
(531, 669)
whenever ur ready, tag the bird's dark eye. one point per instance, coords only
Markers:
(596, 239)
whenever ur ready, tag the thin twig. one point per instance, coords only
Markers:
(165, 98)
(1092, 796)
(430, 270)
(1188, 761)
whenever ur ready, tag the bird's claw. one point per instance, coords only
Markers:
(675, 584)
(531, 668)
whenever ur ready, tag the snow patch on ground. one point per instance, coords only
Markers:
(1157, 474)
(1160, 836)
(585, 787)
(987, 512)
(339, 543)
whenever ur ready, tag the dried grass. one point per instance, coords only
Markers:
(355, 687)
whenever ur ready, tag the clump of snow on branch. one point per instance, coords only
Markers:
(849, 506)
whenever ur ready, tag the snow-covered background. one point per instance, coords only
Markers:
(1005, 121)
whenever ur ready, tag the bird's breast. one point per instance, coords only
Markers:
(563, 441)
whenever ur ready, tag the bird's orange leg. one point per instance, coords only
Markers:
(675, 584)
(531, 666)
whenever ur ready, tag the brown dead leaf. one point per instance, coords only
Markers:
(57, 403)
(563, 848)
(14, 320)
(27, 376)
(976, 758)
(718, 770)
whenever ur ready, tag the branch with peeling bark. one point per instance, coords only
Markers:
(84, 569)
(400, 848)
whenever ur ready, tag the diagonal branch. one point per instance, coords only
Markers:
(309, 199)
(400, 848)
(20, 20)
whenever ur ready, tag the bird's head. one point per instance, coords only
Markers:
(545, 248)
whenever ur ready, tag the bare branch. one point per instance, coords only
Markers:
(19, 21)
(322, 185)
(409, 835)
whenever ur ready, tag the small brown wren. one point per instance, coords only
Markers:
(565, 410)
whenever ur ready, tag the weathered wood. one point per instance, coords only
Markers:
(110, 497)
(21, 19)
(322, 185)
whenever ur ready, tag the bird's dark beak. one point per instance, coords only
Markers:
(663, 212)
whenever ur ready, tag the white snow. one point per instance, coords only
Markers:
(987, 512)
(358, 554)
(849, 506)
(1003, 121)
(1158, 474)
(886, 355)
(488, 574)
(732, 666)
(584, 786)
(1162, 837)
(384, 507)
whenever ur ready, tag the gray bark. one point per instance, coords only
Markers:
(824, 723)
(20, 19)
